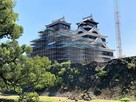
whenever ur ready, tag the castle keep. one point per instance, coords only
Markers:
(84, 45)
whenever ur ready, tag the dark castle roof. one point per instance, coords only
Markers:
(89, 18)
(58, 21)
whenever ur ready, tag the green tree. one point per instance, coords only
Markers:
(10, 51)
(8, 26)
(17, 71)
(65, 75)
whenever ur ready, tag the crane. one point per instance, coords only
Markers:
(117, 28)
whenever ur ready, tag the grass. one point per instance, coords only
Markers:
(60, 99)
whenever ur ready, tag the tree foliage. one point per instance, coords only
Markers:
(64, 73)
(17, 71)
(29, 97)
(8, 26)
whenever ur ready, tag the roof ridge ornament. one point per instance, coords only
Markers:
(88, 17)
(60, 19)
(91, 16)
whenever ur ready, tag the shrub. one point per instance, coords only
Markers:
(29, 97)
(125, 100)
(101, 73)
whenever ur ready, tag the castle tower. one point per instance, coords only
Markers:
(84, 45)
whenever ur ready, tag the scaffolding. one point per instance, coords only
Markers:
(84, 45)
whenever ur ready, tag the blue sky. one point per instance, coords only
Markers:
(35, 14)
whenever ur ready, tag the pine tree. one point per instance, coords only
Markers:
(18, 72)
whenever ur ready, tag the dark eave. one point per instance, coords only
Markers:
(87, 20)
(91, 21)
